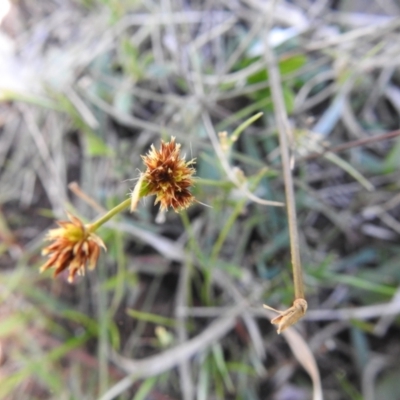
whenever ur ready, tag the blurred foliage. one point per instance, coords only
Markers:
(154, 78)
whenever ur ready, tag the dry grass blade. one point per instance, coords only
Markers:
(371, 371)
(225, 282)
(120, 75)
(186, 381)
(305, 357)
(160, 363)
(365, 312)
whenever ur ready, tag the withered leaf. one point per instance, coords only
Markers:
(290, 316)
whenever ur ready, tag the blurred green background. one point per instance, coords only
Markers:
(174, 308)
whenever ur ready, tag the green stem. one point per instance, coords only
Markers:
(117, 209)
(244, 125)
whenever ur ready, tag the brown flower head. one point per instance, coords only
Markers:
(73, 247)
(168, 176)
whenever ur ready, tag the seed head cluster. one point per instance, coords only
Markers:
(168, 176)
(72, 247)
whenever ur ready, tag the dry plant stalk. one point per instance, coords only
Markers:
(299, 307)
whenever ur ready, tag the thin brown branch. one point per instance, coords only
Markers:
(354, 143)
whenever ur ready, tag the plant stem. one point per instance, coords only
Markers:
(102, 220)
(284, 135)
(244, 125)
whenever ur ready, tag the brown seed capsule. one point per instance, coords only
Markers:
(168, 176)
(72, 247)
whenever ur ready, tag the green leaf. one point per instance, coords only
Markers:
(123, 101)
(11, 325)
(392, 160)
(292, 64)
(221, 366)
(149, 317)
(145, 388)
(95, 146)
(288, 97)
(286, 66)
